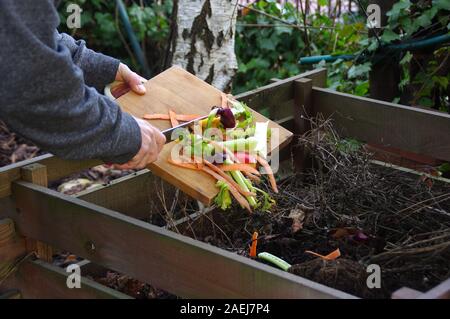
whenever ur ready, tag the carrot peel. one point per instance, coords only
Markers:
(241, 200)
(331, 256)
(269, 172)
(173, 118)
(228, 179)
(253, 245)
(238, 167)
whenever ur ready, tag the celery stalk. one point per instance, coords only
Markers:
(223, 199)
(241, 180)
(241, 144)
(274, 260)
(211, 117)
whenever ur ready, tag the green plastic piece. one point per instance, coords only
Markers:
(274, 260)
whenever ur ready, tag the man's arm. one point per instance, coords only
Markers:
(98, 69)
(44, 96)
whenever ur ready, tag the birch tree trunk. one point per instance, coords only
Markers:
(203, 41)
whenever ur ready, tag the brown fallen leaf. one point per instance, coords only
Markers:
(297, 216)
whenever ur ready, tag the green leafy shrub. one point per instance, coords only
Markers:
(103, 30)
(272, 52)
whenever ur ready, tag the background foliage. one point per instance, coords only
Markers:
(265, 53)
(267, 48)
(103, 30)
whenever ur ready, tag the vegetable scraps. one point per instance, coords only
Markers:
(331, 256)
(229, 146)
(253, 245)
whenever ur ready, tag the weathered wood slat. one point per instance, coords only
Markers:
(37, 174)
(441, 291)
(38, 279)
(272, 95)
(130, 195)
(57, 168)
(405, 293)
(416, 130)
(172, 262)
(303, 110)
(12, 250)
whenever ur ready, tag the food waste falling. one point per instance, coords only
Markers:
(229, 146)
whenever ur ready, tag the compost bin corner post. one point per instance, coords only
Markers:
(37, 174)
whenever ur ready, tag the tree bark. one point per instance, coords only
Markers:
(203, 40)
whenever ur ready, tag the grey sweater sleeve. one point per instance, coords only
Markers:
(44, 96)
(98, 69)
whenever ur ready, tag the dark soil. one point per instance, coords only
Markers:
(373, 214)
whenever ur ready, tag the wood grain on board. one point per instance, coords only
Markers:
(178, 90)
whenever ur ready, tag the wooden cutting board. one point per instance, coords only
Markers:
(184, 93)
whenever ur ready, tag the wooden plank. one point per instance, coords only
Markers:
(169, 261)
(405, 293)
(416, 130)
(303, 111)
(7, 231)
(37, 174)
(271, 95)
(178, 90)
(11, 294)
(130, 195)
(38, 279)
(12, 250)
(58, 168)
(11, 245)
(283, 110)
(442, 291)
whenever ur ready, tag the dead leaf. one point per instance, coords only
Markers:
(298, 216)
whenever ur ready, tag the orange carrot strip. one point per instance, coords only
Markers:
(252, 177)
(187, 117)
(331, 256)
(224, 102)
(241, 200)
(254, 244)
(183, 164)
(173, 118)
(156, 116)
(238, 167)
(269, 172)
(228, 178)
(196, 161)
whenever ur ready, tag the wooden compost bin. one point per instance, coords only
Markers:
(103, 225)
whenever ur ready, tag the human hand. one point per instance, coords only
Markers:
(131, 79)
(152, 143)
